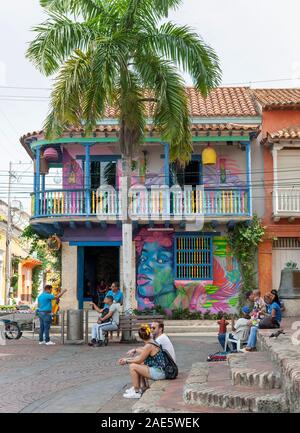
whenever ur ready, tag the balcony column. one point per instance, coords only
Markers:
(87, 178)
(167, 163)
(275, 180)
(37, 180)
(166, 194)
(43, 183)
(249, 176)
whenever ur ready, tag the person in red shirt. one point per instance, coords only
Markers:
(222, 322)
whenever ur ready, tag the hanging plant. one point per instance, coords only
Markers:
(244, 241)
(54, 243)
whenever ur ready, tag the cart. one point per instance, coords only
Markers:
(18, 321)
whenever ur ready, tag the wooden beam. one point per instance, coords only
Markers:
(88, 225)
(214, 224)
(72, 225)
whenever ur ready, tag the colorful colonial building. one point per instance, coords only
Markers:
(176, 261)
(280, 139)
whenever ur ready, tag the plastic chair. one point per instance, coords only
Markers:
(240, 342)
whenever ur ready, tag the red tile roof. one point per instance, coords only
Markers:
(220, 102)
(277, 98)
(290, 133)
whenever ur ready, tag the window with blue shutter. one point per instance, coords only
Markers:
(193, 257)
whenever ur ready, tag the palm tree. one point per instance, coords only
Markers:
(123, 53)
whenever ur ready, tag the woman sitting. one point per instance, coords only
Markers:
(270, 321)
(149, 364)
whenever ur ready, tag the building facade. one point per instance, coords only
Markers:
(21, 264)
(280, 140)
(179, 252)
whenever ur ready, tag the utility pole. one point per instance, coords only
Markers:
(8, 239)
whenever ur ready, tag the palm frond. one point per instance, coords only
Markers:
(87, 8)
(56, 40)
(67, 97)
(188, 51)
(171, 114)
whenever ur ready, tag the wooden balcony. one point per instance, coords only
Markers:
(144, 204)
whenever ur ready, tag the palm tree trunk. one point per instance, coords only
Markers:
(127, 256)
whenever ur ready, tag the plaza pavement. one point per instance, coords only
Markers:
(77, 378)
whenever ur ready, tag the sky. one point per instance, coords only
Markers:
(256, 40)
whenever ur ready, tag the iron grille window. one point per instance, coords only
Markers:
(193, 257)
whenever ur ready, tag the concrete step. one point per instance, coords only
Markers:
(253, 369)
(210, 385)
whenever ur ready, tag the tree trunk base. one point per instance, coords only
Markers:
(128, 337)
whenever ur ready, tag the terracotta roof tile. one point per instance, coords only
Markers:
(290, 133)
(275, 98)
(222, 101)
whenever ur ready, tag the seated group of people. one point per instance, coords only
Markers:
(265, 313)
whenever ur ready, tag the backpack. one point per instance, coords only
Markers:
(218, 356)
(171, 369)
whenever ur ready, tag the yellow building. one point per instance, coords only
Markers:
(18, 250)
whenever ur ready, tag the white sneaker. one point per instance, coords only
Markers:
(50, 343)
(129, 390)
(41, 342)
(132, 394)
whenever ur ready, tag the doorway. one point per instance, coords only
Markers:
(96, 263)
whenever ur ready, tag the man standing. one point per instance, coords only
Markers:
(45, 313)
(109, 322)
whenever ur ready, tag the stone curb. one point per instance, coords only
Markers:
(243, 374)
(287, 358)
(198, 391)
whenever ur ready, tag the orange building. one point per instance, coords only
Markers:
(280, 138)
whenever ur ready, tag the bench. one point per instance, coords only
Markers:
(132, 323)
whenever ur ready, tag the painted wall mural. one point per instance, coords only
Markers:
(72, 172)
(155, 281)
(226, 172)
(156, 284)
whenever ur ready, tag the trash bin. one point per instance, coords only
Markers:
(75, 325)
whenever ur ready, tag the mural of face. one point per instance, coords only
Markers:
(155, 276)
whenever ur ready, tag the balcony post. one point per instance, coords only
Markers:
(37, 180)
(87, 178)
(167, 163)
(249, 176)
(275, 180)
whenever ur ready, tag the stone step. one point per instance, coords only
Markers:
(210, 385)
(253, 369)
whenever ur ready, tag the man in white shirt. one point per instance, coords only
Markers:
(157, 329)
(108, 321)
(242, 324)
(159, 337)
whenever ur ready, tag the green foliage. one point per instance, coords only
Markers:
(50, 259)
(244, 241)
(109, 52)
(181, 314)
(291, 265)
(7, 308)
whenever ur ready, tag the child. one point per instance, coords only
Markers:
(222, 329)
(259, 304)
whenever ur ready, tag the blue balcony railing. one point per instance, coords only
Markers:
(144, 204)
